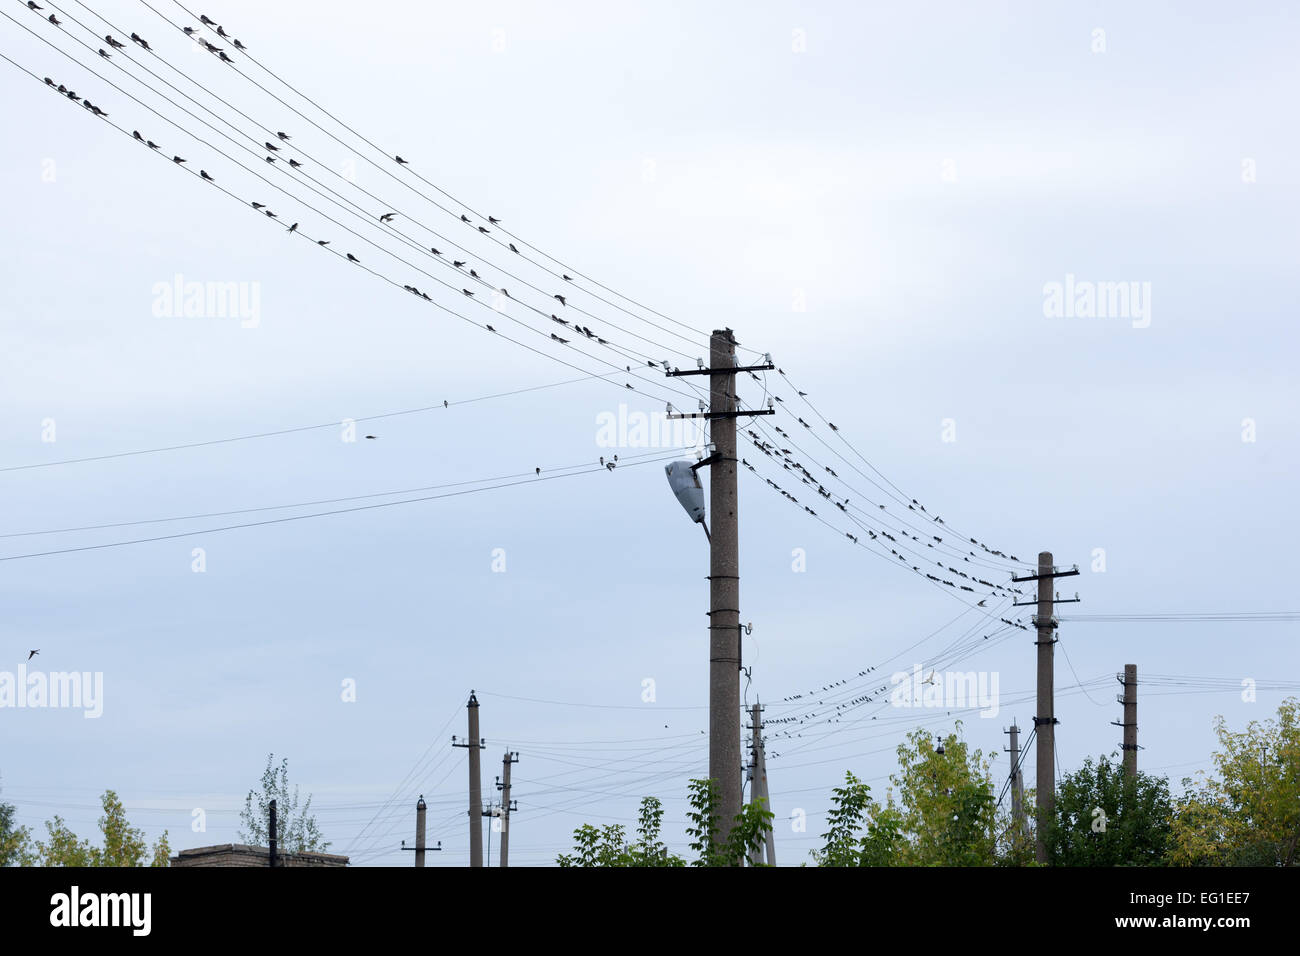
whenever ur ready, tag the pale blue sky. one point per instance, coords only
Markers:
(776, 175)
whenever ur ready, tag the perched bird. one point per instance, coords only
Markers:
(560, 340)
(444, 404)
(31, 5)
(567, 278)
(204, 174)
(457, 264)
(203, 18)
(57, 22)
(239, 46)
(284, 136)
(106, 56)
(151, 144)
(371, 437)
(512, 247)
(473, 273)
(834, 428)
(387, 217)
(220, 32)
(272, 215)
(483, 229)
(48, 81)
(294, 163)
(464, 218)
(539, 471)
(259, 205)
(352, 258)
(400, 160)
(561, 299)
(177, 159)
(270, 159)
(434, 251)
(190, 31)
(141, 40)
(322, 242)
(489, 328)
(221, 54)
(493, 219)
(272, 147)
(115, 44)
(135, 133)
(31, 654)
(294, 227)
(466, 291)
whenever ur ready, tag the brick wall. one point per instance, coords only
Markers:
(237, 854)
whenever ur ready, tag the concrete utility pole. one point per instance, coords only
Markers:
(1017, 781)
(1130, 722)
(272, 833)
(419, 832)
(755, 788)
(506, 806)
(724, 571)
(760, 780)
(724, 586)
(474, 743)
(1045, 721)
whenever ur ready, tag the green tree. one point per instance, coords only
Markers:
(844, 841)
(296, 828)
(1248, 812)
(1136, 811)
(124, 845)
(14, 840)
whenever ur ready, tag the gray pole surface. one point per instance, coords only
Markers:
(1130, 720)
(475, 788)
(761, 780)
(724, 588)
(419, 832)
(505, 809)
(1017, 781)
(1045, 722)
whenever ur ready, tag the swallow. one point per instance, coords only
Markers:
(322, 242)
(151, 144)
(221, 54)
(493, 219)
(371, 437)
(284, 136)
(190, 31)
(512, 247)
(561, 299)
(457, 264)
(270, 159)
(272, 147)
(239, 46)
(106, 56)
(220, 32)
(177, 159)
(294, 163)
(538, 470)
(387, 217)
(272, 215)
(434, 251)
(31, 654)
(135, 133)
(489, 328)
(834, 427)
(466, 291)
(115, 44)
(55, 21)
(204, 174)
(294, 227)
(464, 218)
(259, 205)
(473, 273)
(48, 81)
(141, 40)
(31, 5)
(74, 97)
(483, 229)
(400, 161)
(560, 340)
(352, 258)
(567, 278)
(203, 18)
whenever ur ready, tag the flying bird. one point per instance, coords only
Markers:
(31, 654)
(387, 217)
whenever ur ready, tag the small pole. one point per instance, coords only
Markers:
(272, 834)
(419, 831)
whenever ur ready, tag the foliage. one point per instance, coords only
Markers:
(14, 840)
(124, 845)
(296, 828)
(1136, 810)
(1248, 813)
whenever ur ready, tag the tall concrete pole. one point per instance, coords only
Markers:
(475, 787)
(419, 831)
(761, 781)
(1130, 720)
(1045, 721)
(506, 761)
(1017, 781)
(755, 789)
(724, 586)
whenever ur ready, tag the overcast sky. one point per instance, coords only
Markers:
(876, 194)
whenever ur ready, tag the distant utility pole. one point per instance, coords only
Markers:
(503, 784)
(474, 743)
(272, 834)
(1017, 780)
(1045, 721)
(1130, 722)
(724, 571)
(759, 795)
(419, 847)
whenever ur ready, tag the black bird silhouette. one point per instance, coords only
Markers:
(294, 163)
(466, 291)
(220, 32)
(464, 218)
(434, 251)
(106, 56)
(270, 159)
(204, 174)
(177, 159)
(352, 258)
(560, 340)
(493, 219)
(371, 437)
(567, 278)
(400, 160)
(56, 22)
(31, 5)
(561, 299)
(539, 471)
(489, 328)
(284, 136)
(190, 31)
(135, 133)
(483, 229)
(203, 18)
(48, 81)
(322, 242)
(273, 148)
(294, 227)
(151, 144)
(239, 46)
(222, 54)
(115, 44)
(457, 264)
(31, 654)
(272, 215)
(141, 40)
(512, 247)
(473, 273)
(259, 205)
(387, 217)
